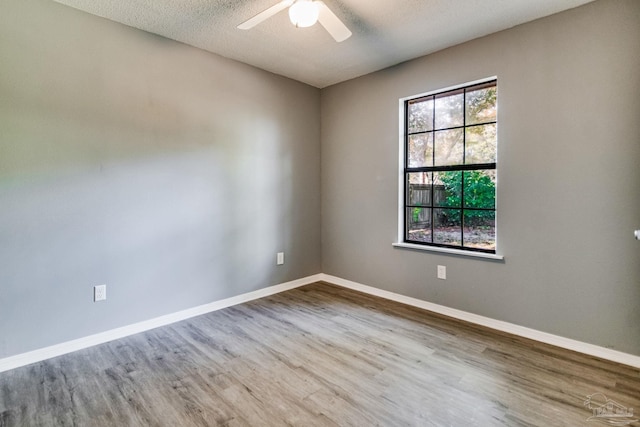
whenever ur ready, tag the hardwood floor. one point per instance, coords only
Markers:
(315, 356)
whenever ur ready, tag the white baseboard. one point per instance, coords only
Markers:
(103, 337)
(114, 334)
(558, 341)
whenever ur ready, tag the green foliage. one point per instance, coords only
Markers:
(415, 213)
(479, 192)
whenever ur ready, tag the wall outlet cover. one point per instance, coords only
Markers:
(99, 293)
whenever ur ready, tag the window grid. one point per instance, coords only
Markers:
(444, 168)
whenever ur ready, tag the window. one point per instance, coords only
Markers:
(450, 145)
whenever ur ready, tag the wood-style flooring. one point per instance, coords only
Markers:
(315, 356)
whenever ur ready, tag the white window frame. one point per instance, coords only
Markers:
(400, 243)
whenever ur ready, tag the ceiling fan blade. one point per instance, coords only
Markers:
(332, 23)
(266, 14)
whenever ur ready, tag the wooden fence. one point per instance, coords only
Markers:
(420, 194)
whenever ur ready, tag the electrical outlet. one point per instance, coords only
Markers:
(99, 293)
(442, 272)
(280, 258)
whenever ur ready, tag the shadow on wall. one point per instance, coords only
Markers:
(165, 230)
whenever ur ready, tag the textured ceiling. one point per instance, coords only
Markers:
(385, 32)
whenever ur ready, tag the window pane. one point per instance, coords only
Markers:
(447, 189)
(420, 150)
(419, 177)
(449, 111)
(418, 224)
(419, 189)
(481, 104)
(481, 143)
(447, 226)
(449, 147)
(480, 189)
(480, 229)
(420, 115)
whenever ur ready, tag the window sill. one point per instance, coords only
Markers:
(451, 251)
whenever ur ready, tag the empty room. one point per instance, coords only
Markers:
(319, 213)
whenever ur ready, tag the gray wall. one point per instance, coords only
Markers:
(168, 173)
(568, 180)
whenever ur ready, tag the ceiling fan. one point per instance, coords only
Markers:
(304, 13)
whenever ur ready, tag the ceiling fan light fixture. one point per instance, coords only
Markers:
(304, 13)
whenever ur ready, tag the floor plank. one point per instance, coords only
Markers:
(318, 355)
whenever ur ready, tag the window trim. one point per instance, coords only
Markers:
(400, 242)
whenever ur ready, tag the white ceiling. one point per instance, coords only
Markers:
(385, 32)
